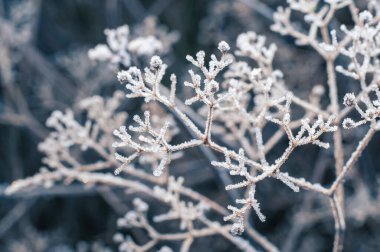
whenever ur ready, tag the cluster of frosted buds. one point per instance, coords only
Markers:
(238, 169)
(252, 45)
(151, 27)
(235, 95)
(185, 212)
(61, 146)
(367, 114)
(266, 83)
(243, 84)
(144, 41)
(307, 134)
(238, 225)
(305, 6)
(237, 215)
(115, 51)
(136, 217)
(364, 49)
(126, 244)
(314, 13)
(104, 112)
(211, 86)
(240, 88)
(150, 141)
(135, 82)
(281, 21)
(67, 133)
(147, 87)
(145, 46)
(95, 133)
(313, 132)
(133, 219)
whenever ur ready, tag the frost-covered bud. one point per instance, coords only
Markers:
(212, 86)
(140, 205)
(237, 228)
(122, 76)
(53, 120)
(223, 47)
(349, 100)
(201, 57)
(348, 123)
(370, 113)
(155, 62)
(134, 73)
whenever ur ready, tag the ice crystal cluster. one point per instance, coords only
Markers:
(235, 93)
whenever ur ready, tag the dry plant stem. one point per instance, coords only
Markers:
(271, 143)
(109, 180)
(354, 157)
(338, 147)
(196, 233)
(186, 244)
(207, 134)
(340, 225)
(336, 206)
(333, 93)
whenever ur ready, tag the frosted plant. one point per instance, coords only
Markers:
(151, 27)
(190, 216)
(360, 45)
(122, 44)
(66, 148)
(218, 99)
(240, 97)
